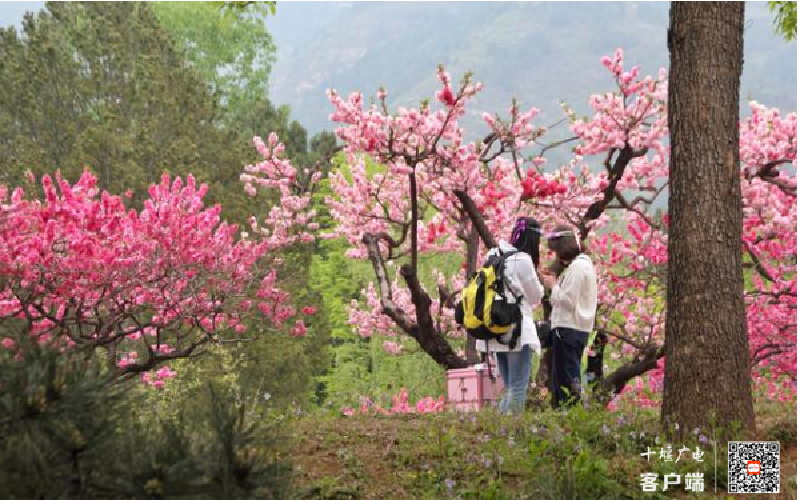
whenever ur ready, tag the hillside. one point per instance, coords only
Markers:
(540, 455)
(540, 52)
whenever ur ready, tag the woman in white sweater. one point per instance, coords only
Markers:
(574, 299)
(515, 362)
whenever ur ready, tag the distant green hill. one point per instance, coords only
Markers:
(542, 52)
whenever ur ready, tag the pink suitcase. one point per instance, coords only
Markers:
(470, 389)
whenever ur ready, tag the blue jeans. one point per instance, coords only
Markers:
(515, 370)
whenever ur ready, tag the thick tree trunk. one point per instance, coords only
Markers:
(707, 365)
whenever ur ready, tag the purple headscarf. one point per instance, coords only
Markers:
(520, 228)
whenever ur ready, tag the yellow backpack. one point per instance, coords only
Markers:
(483, 309)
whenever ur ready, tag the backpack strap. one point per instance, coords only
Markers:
(501, 275)
(486, 359)
(515, 335)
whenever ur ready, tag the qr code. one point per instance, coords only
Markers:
(754, 467)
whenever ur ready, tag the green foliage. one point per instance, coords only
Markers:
(67, 431)
(785, 22)
(131, 93)
(102, 86)
(233, 53)
(338, 281)
(237, 7)
(57, 417)
(210, 446)
(552, 455)
(132, 90)
(284, 366)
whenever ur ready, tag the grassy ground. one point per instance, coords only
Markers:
(580, 455)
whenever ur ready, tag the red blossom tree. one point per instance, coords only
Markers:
(78, 270)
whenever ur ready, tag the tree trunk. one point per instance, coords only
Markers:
(412, 186)
(111, 357)
(542, 377)
(423, 330)
(707, 368)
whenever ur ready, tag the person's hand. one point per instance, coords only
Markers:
(547, 279)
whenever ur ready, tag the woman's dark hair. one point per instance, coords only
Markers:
(566, 245)
(525, 237)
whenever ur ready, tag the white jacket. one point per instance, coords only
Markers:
(521, 277)
(574, 297)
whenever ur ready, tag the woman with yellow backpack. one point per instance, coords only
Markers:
(518, 351)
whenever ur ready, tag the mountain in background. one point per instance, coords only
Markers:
(540, 52)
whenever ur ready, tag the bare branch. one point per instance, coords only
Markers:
(385, 288)
(766, 351)
(623, 203)
(757, 263)
(556, 144)
(647, 361)
(477, 219)
(769, 173)
(628, 340)
(615, 173)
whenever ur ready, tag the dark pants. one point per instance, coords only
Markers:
(565, 373)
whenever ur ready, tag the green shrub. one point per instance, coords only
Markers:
(68, 432)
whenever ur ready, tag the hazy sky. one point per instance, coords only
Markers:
(11, 12)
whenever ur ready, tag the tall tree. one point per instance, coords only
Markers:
(707, 369)
(229, 47)
(102, 86)
(232, 51)
(785, 19)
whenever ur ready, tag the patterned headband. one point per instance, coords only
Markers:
(559, 234)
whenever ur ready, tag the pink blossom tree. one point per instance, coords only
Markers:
(439, 193)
